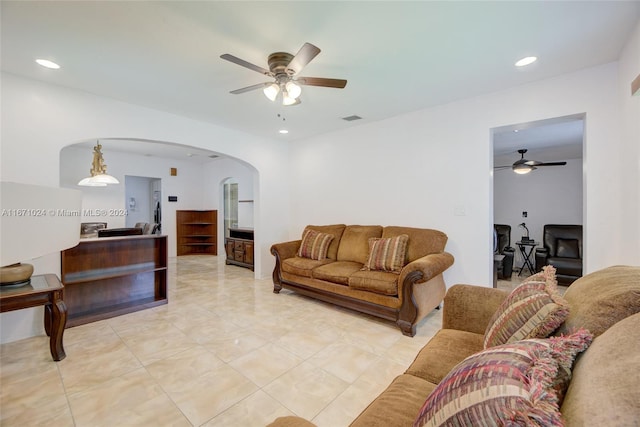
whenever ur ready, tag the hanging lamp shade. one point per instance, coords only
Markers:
(99, 176)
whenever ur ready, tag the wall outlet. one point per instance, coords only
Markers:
(459, 210)
(524, 214)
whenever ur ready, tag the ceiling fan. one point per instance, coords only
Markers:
(523, 165)
(284, 68)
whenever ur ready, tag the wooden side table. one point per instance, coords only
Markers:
(43, 290)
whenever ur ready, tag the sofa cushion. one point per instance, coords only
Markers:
(354, 244)
(380, 282)
(511, 384)
(422, 241)
(445, 350)
(397, 405)
(387, 254)
(302, 266)
(602, 298)
(336, 230)
(567, 248)
(604, 390)
(532, 310)
(315, 244)
(337, 271)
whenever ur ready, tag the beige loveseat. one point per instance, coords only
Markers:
(404, 297)
(603, 390)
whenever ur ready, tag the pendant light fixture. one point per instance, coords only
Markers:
(99, 176)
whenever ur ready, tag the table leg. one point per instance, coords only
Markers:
(55, 320)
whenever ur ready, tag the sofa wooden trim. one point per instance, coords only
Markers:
(408, 311)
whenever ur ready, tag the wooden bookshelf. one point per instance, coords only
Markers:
(196, 232)
(111, 276)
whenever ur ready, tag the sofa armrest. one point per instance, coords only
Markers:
(469, 308)
(425, 268)
(286, 249)
(421, 289)
(282, 251)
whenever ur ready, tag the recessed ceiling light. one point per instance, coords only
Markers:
(526, 61)
(48, 64)
(283, 131)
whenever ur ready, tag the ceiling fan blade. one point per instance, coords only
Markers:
(552, 164)
(249, 88)
(246, 64)
(319, 81)
(306, 53)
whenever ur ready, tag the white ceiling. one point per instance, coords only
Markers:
(397, 56)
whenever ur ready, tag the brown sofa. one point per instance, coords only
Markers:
(604, 386)
(339, 279)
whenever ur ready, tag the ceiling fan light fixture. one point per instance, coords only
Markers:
(293, 90)
(288, 100)
(522, 168)
(271, 91)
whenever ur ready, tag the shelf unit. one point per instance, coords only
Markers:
(239, 247)
(111, 276)
(197, 232)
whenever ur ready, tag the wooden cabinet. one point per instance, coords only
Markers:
(197, 232)
(110, 276)
(239, 247)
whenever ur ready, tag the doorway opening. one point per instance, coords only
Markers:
(142, 201)
(551, 192)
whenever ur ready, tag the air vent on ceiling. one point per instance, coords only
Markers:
(351, 118)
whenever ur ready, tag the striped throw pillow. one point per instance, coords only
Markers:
(314, 244)
(387, 254)
(532, 310)
(513, 384)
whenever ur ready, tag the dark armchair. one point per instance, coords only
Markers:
(503, 247)
(562, 248)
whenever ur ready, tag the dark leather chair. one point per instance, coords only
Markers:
(503, 247)
(562, 248)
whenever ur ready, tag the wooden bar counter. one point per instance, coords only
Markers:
(110, 276)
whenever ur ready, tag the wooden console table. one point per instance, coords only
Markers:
(43, 290)
(111, 276)
(239, 247)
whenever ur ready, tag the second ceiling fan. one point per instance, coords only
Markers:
(524, 166)
(284, 68)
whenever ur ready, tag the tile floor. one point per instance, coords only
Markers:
(225, 351)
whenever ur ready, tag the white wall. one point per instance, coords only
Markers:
(549, 195)
(426, 168)
(629, 69)
(39, 120)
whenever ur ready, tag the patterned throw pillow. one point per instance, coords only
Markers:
(314, 244)
(532, 310)
(387, 254)
(514, 384)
